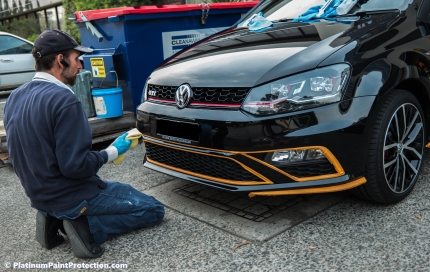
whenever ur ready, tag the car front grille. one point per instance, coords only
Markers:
(162, 92)
(323, 167)
(203, 95)
(210, 166)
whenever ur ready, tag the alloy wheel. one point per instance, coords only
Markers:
(403, 148)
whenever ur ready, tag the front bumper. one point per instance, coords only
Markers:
(261, 185)
(236, 161)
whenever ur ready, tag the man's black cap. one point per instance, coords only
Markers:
(53, 41)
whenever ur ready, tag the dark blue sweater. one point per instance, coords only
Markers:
(49, 143)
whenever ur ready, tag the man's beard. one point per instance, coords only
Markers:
(70, 80)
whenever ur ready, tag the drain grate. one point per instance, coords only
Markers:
(256, 209)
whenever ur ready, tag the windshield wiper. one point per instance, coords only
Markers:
(358, 15)
(371, 12)
(348, 17)
(282, 20)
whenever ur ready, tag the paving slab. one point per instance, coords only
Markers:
(255, 219)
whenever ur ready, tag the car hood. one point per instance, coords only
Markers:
(240, 58)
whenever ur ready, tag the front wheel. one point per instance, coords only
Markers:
(396, 149)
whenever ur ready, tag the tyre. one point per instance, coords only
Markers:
(396, 149)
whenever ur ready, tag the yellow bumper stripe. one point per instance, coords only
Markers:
(255, 173)
(328, 189)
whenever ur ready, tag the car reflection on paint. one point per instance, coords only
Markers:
(300, 107)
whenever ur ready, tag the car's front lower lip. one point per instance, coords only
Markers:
(318, 186)
(244, 173)
(265, 186)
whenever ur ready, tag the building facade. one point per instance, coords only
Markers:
(49, 13)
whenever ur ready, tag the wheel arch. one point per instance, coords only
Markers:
(420, 91)
(391, 77)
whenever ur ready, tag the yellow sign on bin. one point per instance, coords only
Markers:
(98, 67)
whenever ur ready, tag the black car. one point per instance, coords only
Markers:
(303, 105)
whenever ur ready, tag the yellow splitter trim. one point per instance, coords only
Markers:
(255, 173)
(208, 177)
(329, 189)
(330, 157)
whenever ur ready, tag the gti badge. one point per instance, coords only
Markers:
(183, 95)
(152, 93)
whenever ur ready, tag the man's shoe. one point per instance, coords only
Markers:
(47, 231)
(80, 237)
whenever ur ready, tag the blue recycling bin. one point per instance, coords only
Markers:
(130, 42)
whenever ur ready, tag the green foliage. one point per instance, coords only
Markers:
(69, 12)
(30, 28)
(33, 37)
(70, 6)
(101, 4)
(26, 28)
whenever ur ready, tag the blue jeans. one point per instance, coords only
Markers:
(119, 208)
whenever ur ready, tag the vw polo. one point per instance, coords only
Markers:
(306, 99)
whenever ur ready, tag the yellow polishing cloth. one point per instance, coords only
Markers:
(118, 159)
(133, 135)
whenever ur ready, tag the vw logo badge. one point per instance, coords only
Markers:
(183, 95)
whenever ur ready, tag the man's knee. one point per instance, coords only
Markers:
(157, 206)
(159, 211)
(152, 214)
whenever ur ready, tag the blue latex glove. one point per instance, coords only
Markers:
(122, 144)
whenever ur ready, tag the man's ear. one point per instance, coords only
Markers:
(62, 61)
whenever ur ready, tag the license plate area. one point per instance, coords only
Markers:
(178, 131)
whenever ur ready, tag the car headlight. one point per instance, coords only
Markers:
(306, 90)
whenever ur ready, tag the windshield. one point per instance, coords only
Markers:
(275, 10)
(385, 4)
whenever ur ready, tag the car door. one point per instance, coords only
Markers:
(16, 61)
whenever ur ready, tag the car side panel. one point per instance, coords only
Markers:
(383, 59)
(15, 69)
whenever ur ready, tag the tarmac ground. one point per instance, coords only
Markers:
(344, 234)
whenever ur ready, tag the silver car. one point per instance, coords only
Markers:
(16, 61)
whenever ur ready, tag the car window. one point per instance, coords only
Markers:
(275, 10)
(11, 45)
(280, 9)
(291, 9)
